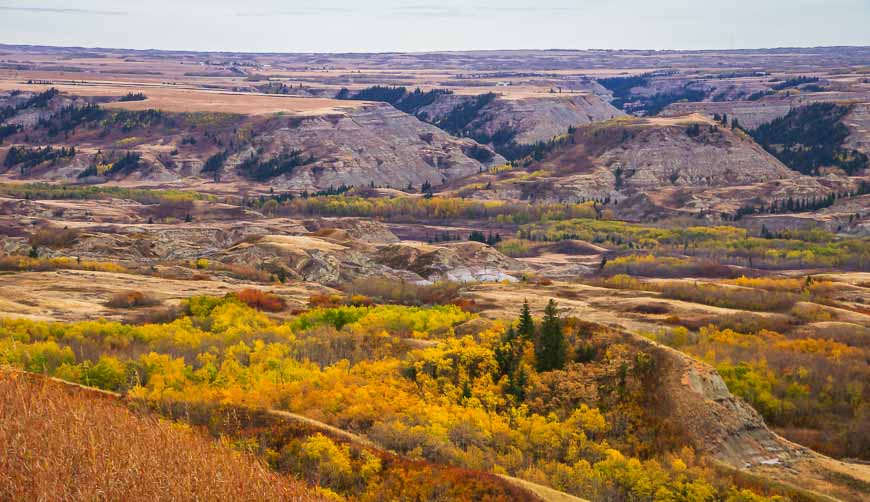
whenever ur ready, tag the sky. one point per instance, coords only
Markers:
(427, 25)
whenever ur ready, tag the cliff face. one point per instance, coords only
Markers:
(623, 158)
(750, 114)
(658, 156)
(373, 144)
(858, 122)
(537, 118)
(718, 422)
(658, 167)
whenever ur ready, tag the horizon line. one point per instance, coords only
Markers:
(428, 51)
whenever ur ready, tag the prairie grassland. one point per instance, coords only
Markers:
(63, 443)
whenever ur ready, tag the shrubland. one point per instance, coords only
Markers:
(42, 191)
(811, 386)
(432, 208)
(496, 398)
(725, 245)
(26, 263)
(131, 299)
(403, 292)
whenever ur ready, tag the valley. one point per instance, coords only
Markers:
(484, 275)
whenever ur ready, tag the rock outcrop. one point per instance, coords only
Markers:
(659, 165)
(532, 118)
(375, 143)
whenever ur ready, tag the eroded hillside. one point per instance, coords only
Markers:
(371, 144)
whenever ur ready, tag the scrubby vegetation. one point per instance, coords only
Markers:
(487, 401)
(646, 105)
(131, 299)
(53, 237)
(47, 191)
(665, 266)
(810, 385)
(133, 96)
(794, 82)
(261, 300)
(283, 163)
(29, 263)
(409, 102)
(726, 297)
(723, 244)
(113, 165)
(7, 130)
(457, 121)
(27, 158)
(402, 292)
(431, 208)
(811, 137)
(622, 86)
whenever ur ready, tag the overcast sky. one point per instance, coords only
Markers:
(391, 25)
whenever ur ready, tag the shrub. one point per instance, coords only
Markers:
(665, 266)
(795, 284)
(622, 281)
(405, 293)
(133, 96)
(261, 300)
(725, 297)
(326, 301)
(516, 248)
(20, 263)
(809, 312)
(131, 299)
(54, 237)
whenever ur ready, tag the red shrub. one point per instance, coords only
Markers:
(262, 300)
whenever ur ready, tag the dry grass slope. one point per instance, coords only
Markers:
(63, 443)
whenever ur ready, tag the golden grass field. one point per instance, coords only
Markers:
(65, 443)
(190, 99)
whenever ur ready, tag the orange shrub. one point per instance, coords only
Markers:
(261, 300)
(131, 299)
(325, 301)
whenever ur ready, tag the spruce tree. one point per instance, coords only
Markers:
(550, 349)
(526, 328)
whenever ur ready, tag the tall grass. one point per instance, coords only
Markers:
(63, 443)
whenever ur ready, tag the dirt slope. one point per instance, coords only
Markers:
(648, 168)
(533, 118)
(359, 145)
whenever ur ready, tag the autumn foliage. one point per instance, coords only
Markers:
(480, 401)
(131, 299)
(261, 300)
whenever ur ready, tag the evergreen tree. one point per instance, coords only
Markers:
(551, 348)
(526, 328)
(517, 384)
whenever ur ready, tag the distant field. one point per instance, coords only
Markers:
(181, 99)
